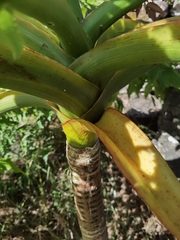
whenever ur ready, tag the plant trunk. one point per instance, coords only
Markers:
(86, 181)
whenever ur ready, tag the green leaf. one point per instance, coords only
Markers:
(7, 164)
(153, 43)
(42, 77)
(87, 6)
(57, 16)
(11, 100)
(9, 32)
(148, 89)
(160, 79)
(76, 9)
(135, 86)
(118, 28)
(119, 80)
(43, 42)
(37, 24)
(171, 77)
(106, 14)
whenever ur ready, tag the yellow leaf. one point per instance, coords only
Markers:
(79, 133)
(143, 166)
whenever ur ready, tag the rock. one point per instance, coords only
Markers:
(175, 11)
(153, 10)
(141, 110)
(169, 148)
(140, 104)
(169, 119)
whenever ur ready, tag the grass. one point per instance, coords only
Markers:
(39, 204)
(37, 146)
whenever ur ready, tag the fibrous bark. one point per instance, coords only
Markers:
(86, 181)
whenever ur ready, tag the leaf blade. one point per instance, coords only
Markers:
(11, 100)
(7, 165)
(40, 76)
(143, 166)
(119, 80)
(160, 39)
(9, 32)
(40, 41)
(105, 15)
(58, 16)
